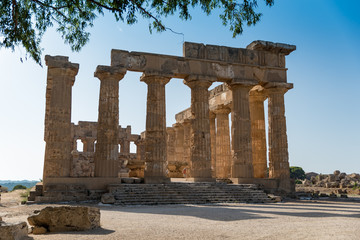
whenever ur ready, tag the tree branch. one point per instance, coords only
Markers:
(56, 9)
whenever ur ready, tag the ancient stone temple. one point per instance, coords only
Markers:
(200, 146)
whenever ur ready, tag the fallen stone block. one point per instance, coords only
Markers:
(13, 231)
(108, 198)
(66, 218)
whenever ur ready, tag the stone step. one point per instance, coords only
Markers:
(186, 193)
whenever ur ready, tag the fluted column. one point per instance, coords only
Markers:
(107, 146)
(223, 154)
(179, 142)
(59, 142)
(200, 153)
(258, 133)
(278, 146)
(212, 117)
(155, 143)
(241, 166)
(187, 136)
(170, 141)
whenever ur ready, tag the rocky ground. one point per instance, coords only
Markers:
(301, 219)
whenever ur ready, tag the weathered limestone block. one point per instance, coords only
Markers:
(107, 146)
(13, 231)
(66, 218)
(155, 142)
(223, 152)
(60, 79)
(200, 155)
(242, 163)
(82, 164)
(107, 198)
(258, 133)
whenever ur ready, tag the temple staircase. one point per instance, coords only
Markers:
(187, 193)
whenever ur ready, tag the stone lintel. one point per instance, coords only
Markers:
(61, 62)
(109, 72)
(182, 67)
(259, 53)
(277, 48)
(181, 116)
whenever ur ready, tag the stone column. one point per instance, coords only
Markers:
(155, 143)
(223, 152)
(186, 146)
(107, 145)
(179, 141)
(258, 133)
(278, 146)
(212, 118)
(170, 144)
(59, 141)
(125, 147)
(200, 153)
(241, 166)
(88, 144)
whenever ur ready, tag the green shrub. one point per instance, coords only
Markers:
(297, 173)
(19, 187)
(297, 181)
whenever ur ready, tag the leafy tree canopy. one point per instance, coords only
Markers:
(297, 173)
(23, 22)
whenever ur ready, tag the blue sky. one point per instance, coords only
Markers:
(322, 110)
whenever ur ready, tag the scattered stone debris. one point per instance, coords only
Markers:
(65, 218)
(336, 180)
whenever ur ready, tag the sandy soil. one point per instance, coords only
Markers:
(289, 220)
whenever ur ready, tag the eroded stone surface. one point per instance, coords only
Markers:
(66, 218)
(13, 231)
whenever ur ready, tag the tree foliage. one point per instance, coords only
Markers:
(19, 187)
(23, 22)
(297, 173)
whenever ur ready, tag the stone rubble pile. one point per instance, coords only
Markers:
(336, 180)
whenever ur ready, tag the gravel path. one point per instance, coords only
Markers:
(290, 220)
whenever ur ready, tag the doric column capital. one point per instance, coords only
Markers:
(212, 115)
(177, 126)
(258, 93)
(109, 72)
(62, 62)
(186, 122)
(241, 83)
(151, 77)
(272, 87)
(194, 81)
(222, 110)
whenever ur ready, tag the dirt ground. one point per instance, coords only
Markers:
(320, 219)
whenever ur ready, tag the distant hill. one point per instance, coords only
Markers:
(10, 184)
